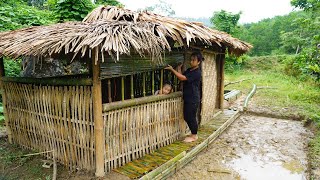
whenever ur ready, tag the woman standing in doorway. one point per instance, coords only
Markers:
(191, 93)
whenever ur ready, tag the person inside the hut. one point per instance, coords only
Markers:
(191, 92)
(166, 89)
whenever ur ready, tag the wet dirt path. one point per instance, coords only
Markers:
(253, 147)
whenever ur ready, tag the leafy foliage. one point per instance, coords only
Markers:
(72, 10)
(308, 5)
(225, 21)
(228, 22)
(109, 2)
(12, 67)
(36, 3)
(18, 15)
(308, 59)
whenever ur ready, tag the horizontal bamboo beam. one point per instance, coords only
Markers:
(50, 81)
(134, 102)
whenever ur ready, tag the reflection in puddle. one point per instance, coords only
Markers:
(252, 168)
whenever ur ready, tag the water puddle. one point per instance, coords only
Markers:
(251, 168)
(270, 149)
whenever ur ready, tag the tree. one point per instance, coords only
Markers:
(307, 5)
(109, 2)
(308, 59)
(72, 10)
(17, 14)
(268, 36)
(225, 21)
(36, 3)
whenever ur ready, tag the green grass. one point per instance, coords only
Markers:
(275, 89)
(14, 165)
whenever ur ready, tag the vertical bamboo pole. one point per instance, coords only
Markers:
(161, 78)
(152, 82)
(144, 83)
(109, 91)
(97, 115)
(222, 61)
(220, 79)
(131, 84)
(175, 83)
(122, 88)
(4, 100)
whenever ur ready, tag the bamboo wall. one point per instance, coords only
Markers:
(209, 86)
(59, 118)
(133, 132)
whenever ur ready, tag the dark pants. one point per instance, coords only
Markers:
(190, 116)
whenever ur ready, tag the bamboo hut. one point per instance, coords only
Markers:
(109, 116)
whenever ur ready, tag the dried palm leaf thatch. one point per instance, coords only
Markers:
(181, 31)
(114, 37)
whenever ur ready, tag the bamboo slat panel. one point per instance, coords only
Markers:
(135, 131)
(209, 87)
(59, 118)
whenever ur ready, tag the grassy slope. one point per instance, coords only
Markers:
(275, 89)
(299, 98)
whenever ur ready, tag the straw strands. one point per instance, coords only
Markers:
(114, 37)
(116, 31)
(49, 118)
(133, 132)
(179, 30)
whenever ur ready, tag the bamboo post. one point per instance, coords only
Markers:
(144, 84)
(4, 100)
(161, 78)
(222, 60)
(122, 88)
(97, 115)
(152, 82)
(54, 156)
(109, 91)
(175, 82)
(131, 84)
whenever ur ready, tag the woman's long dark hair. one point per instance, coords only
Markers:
(198, 55)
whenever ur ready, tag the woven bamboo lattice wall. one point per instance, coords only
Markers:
(59, 118)
(133, 132)
(209, 87)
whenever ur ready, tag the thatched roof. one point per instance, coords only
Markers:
(115, 37)
(116, 31)
(181, 31)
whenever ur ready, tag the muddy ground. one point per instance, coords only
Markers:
(254, 147)
(262, 143)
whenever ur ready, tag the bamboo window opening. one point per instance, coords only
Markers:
(137, 85)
